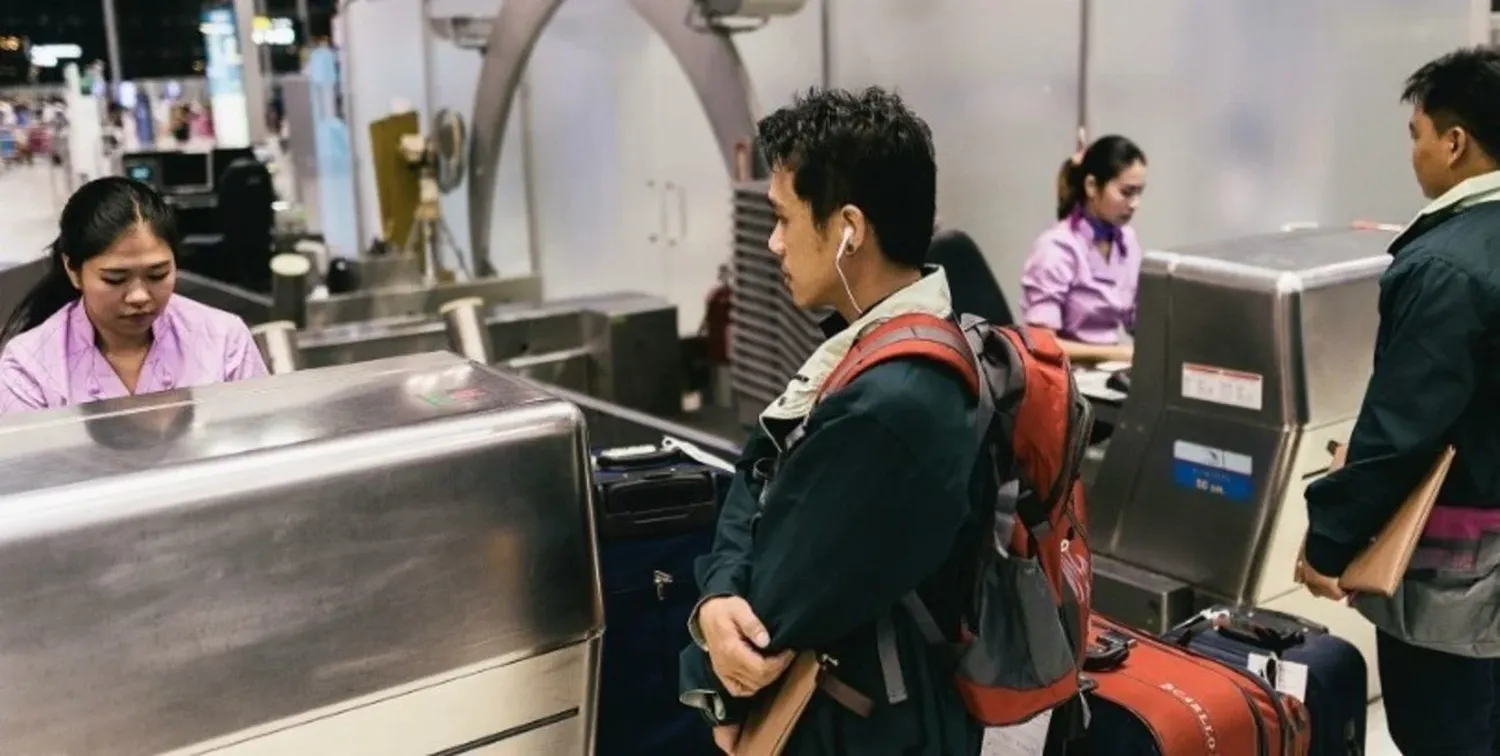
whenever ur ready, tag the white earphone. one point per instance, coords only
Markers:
(838, 258)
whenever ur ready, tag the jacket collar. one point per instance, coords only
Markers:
(929, 295)
(1468, 193)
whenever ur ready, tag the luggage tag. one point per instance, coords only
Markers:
(1025, 739)
(1288, 678)
(696, 453)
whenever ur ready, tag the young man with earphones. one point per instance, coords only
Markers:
(847, 501)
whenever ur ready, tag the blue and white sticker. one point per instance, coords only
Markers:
(1213, 471)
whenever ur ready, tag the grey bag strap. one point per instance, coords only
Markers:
(890, 660)
(975, 332)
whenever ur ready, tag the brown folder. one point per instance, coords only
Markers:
(766, 731)
(1382, 565)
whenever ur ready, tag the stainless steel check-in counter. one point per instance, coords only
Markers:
(621, 347)
(1251, 355)
(393, 557)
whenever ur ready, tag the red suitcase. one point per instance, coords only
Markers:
(1174, 702)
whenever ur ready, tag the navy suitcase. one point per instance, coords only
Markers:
(655, 511)
(1336, 695)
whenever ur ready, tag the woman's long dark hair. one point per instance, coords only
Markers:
(1105, 159)
(96, 216)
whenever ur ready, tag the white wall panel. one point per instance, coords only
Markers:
(784, 57)
(1256, 114)
(998, 84)
(384, 63)
(452, 75)
(390, 62)
(694, 185)
(593, 152)
(631, 190)
(780, 59)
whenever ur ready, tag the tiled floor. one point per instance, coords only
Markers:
(31, 198)
(1378, 740)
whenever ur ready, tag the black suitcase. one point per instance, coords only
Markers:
(1335, 671)
(655, 511)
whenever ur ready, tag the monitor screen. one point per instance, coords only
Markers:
(142, 171)
(185, 170)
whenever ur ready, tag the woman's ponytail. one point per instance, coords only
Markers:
(1069, 187)
(54, 292)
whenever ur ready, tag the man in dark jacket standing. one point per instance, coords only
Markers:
(1436, 382)
(844, 505)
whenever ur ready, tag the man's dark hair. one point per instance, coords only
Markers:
(865, 149)
(1461, 88)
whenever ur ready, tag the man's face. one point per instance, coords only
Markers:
(806, 253)
(1433, 154)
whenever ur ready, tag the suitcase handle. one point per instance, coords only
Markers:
(1107, 652)
(1250, 633)
(630, 457)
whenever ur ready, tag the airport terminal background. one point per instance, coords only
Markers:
(616, 190)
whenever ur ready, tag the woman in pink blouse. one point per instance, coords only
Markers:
(1080, 279)
(104, 323)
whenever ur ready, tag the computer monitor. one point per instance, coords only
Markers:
(145, 170)
(186, 171)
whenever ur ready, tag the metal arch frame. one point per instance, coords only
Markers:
(711, 61)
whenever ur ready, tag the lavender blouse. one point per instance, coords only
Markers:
(1071, 288)
(57, 363)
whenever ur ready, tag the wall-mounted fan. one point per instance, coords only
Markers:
(450, 148)
(439, 161)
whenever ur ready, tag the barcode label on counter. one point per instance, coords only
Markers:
(1233, 388)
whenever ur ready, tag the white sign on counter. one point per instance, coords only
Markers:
(1233, 388)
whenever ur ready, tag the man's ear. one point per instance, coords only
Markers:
(1458, 142)
(854, 219)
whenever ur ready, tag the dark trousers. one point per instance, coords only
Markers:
(1439, 704)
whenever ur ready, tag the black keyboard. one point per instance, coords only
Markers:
(1119, 380)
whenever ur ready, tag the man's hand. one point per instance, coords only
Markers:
(735, 637)
(726, 737)
(1319, 584)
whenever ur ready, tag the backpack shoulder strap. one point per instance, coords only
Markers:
(1037, 343)
(904, 336)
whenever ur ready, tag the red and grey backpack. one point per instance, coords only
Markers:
(1025, 634)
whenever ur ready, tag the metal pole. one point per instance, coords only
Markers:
(277, 342)
(484, 267)
(468, 335)
(252, 77)
(112, 41)
(289, 273)
(825, 38)
(1084, 21)
(346, 89)
(429, 87)
(264, 53)
(305, 17)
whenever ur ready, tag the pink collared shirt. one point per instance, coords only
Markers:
(57, 364)
(1071, 288)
